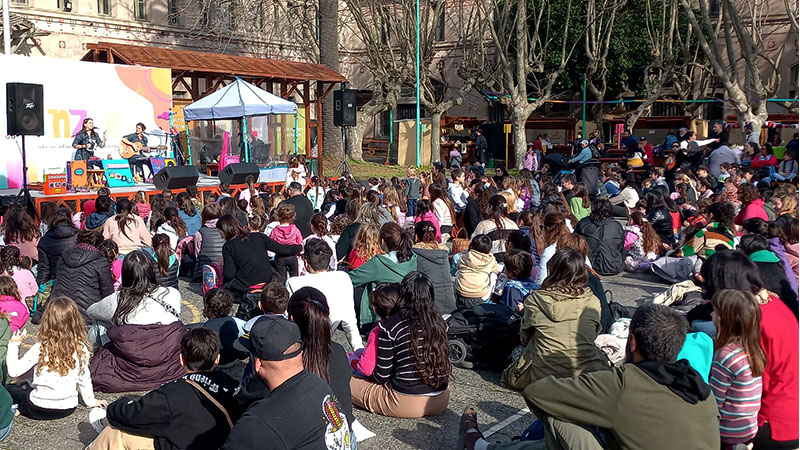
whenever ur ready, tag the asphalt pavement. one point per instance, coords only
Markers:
(502, 413)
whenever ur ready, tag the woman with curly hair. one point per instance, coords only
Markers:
(60, 362)
(752, 204)
(413, 369)
(560, 323)
(20, 230)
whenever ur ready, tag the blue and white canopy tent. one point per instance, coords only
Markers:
(239, 100)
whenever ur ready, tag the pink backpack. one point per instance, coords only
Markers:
(212, 277)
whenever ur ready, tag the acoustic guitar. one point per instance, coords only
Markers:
(128, 150)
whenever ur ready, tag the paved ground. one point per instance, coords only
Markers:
(502, 412)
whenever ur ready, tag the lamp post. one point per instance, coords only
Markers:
(417, 129)
(583, 107)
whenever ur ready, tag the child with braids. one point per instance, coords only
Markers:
(11, 265)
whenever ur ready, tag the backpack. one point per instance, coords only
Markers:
(483, 336)
(212, 277)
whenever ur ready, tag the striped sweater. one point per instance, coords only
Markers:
(705, 241)
(396, 362)
(738, 394)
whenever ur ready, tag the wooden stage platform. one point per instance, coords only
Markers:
(72, 200)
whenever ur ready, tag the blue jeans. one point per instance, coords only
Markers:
(774, 175)
(7, 430)
(411, 204)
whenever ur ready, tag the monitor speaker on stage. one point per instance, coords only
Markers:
(344, 108)
(24, 109)
(176, 177)
(237, 172)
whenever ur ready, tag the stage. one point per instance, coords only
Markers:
(72, 200)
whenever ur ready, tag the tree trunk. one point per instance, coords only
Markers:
(328, 37)
(355, 136)
(436, 133)
(519, 115)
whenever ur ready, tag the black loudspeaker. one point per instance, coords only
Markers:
(237, 172)
(344, 108)
(176, 177)
(24, 109)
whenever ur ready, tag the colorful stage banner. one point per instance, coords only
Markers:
(116, 97)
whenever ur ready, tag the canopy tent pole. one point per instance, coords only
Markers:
(188, 142)
(247, 156)
(295, 134)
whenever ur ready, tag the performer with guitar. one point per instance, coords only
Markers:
(85, 142)
(133, 144)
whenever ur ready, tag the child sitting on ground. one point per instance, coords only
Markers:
(274, 302)
(383, 299)
(642, 243)
(366, 245)
(319, 230)
(167, 264)
(286, 233)
(476, 273)
(217, 306)
(11, 265)
(110, 250)
(517, 267)
(12, 304)
(60, 359)
(425, 212)
(191, 412)
(142, 205)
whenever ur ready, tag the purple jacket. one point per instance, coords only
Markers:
(777, 248)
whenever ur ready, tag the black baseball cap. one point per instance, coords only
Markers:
(269, 338)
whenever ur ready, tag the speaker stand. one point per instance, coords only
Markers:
(343, 166)
(24, 195)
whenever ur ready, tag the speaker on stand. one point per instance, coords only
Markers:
(345, 103)
(25, 117)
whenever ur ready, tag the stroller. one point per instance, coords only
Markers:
(483, 337)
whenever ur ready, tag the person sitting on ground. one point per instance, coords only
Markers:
(425, 212)
(58, 238)
(110, 250)
(84, 274)
(127, 229)
(737, 366)
(770, 268)
(291, 413)
(553, 227)
(217, 306)
(188, 213)
(104, 210)
(573, 409)
(10, 266)
(141, 315)
(642, 244)
(287, 234)
(20, 230)
(60, 363)
(606, 239)
(517, 267)
(334, 285)
(397, 261)
(497, 224)
(192, 412)
(12, 305)
(172, 225)
(476, 273)
(208, 241)
(165, 261)
(366, 245)
(382, 300)
(433, 260)
(560, 323)
(274, 302)
(412, 371)
(579, 204)
(302, 207)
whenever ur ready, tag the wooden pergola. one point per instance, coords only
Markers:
(191, 69)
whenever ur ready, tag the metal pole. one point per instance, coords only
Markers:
(583, 107)
(6, 28)
(418, 130)
(391, 133)
(188, 143)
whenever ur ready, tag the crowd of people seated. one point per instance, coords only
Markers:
(711, 363)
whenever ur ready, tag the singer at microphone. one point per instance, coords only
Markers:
(85, 142)
(138, 161)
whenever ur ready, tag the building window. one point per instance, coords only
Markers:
(713, 9)
(793, 72)
(104, 7)
(172, 16)
(140, 9)
(232, 19)
(22, 2)
(439, 32)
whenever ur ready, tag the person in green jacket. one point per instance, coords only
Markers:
(398, 261)
(580, 204)
(652, 402)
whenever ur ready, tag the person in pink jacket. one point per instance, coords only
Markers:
(752, 204)
(425, 212)
(10, 266)
(11, 304)
(383, 299)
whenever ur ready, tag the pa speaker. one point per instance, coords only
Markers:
(24, 109)
(237, 172)
(176, 177)
(344, 108)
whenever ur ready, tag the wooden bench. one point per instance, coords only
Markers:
(371, 146)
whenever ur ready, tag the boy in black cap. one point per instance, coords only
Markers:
(191, 413)
(301, 412)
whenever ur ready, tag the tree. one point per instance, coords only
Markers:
(328, 43)
(532, 50)
(743, 25)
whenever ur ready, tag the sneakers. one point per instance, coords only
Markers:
(97, 418)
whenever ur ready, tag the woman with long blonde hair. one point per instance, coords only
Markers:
(60, 359)
(366, 245)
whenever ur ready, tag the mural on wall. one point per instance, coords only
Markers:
(115, 97)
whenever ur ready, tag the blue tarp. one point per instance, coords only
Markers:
(236, 100)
